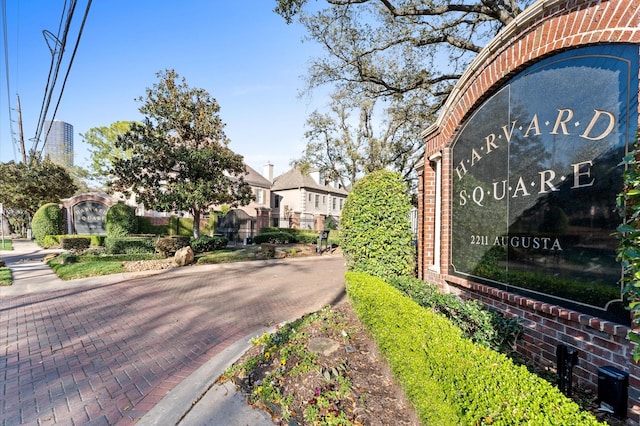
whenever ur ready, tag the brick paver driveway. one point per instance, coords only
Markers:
(108, 354)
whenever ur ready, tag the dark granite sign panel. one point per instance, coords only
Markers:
(535, 176)
(89, 217)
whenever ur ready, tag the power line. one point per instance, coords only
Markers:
(57, 51)
(73, 55)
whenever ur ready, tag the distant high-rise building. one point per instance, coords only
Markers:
(58, 144)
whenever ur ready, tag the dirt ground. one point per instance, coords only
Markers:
(375, 398)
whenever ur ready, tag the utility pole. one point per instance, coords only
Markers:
(21, 134)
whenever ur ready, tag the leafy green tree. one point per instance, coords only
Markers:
(180, 159)
(102, 141)
(344, 150)
(24, 187)
(375, 231)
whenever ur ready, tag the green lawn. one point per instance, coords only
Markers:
(5, 276)
(228, 255)
(7, 244)
(92, 266)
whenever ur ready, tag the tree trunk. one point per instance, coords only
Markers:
(196, 223)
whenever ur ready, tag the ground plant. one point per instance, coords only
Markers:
(628, 251)
(5, 276)
(6, 244)
(69, 267)
(298, 385)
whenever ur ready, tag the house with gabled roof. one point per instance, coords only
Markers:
(305, 200)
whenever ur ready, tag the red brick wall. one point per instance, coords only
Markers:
(548, 27)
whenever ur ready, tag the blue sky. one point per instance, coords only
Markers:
(241, 52)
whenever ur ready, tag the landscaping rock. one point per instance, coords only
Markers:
(2, 264)
(184, 256)
(323, 346)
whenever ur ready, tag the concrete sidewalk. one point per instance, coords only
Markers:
(196, 399)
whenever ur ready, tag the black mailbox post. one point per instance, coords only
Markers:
(323, 236)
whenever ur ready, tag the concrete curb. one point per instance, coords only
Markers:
(174, 407)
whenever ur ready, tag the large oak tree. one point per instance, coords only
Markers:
(180, 159)
(402, 55)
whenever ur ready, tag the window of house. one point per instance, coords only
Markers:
(317, 201)
(324, 200)
(260, 196)
(276, 201)
(309, 197)
(333, 203)
(341, 203)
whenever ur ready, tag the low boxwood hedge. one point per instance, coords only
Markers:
(275, 237)
(56, 240)
(75, 243)
(206, 243)
(449, 379)
(129, 245)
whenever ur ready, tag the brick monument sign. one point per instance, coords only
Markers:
(518, 186)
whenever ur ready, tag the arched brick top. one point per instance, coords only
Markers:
(105, 199)
(545, 28)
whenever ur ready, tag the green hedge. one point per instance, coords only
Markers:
(56, 240)
(180, 226)
(485, 327)
(130, 245)
(206, 243)
(47, 220)
(276, 237)
(168, 246)
(121, 220)
(145, 227)
(304, 236)
(75, 243)
(450, 380)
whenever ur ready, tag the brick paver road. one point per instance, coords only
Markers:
(106, 355)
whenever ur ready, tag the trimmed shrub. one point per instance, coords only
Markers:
(278, 237)
(47, 220)
(482, 326)
(168, 246)
(129, 245)
(180, 226)
(206, 243)
(449, 379)
(56, 240)
(121, 221)
(145, 227)
(374, 227)
(75, 243)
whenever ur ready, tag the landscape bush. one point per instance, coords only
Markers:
(206, 243)
(180, 226)
(121, 221)
(47, 220)
(146, 227)
(275, 237)
(449, 379)
(129, 245)
(375, 231)
(168, 246)
(56, 240)
(75, 243)
(482, 326)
